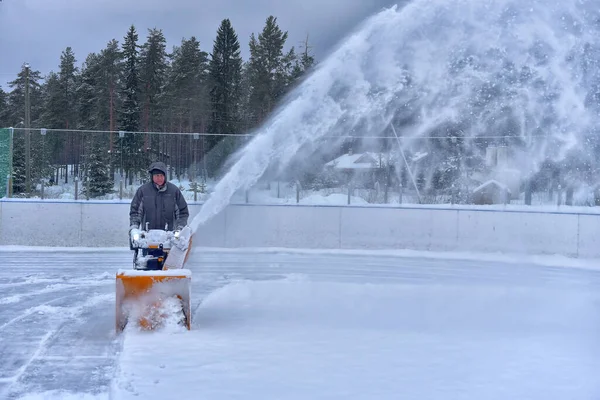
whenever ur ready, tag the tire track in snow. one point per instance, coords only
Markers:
(29, 281)
(37, 308)
(15, 378)
(68, 315)
(71, 347)
(57, 287)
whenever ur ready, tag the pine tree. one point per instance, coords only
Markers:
(16, 115)
(268, 69)
(110, 73)
(247, 120)
(187, 100)
(53, 107)
(18, 164)
(3, 108)
(59, 112)
(225, 70)
(98, 178)
(153, 67)
(87, 98)
(129, 116)
(5, 154)
(107, 78)
(54, 144)
(16, 98)
(302, 64)
(69, 142)
(68, 84)
(130, 109)
(225, 80)
(187, 90)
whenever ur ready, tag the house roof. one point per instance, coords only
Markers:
(419, 156)
(491, 182)
(355, 161)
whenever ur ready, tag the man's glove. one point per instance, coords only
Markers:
(134, 233)
(182, 239)
(177, 231)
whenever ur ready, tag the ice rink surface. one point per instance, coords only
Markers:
(305, 324)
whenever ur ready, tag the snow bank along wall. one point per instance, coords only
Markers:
(97, 224)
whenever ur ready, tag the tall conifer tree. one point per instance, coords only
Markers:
(133, 158)
(225, 70)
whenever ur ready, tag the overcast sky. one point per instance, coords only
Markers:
(36, 31)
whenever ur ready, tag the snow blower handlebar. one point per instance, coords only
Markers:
(157, 238)
(156, 245)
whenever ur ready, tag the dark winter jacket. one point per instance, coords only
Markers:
(159, 207)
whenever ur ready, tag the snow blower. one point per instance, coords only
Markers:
(157, 289)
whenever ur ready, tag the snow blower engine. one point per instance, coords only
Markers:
(157, 288)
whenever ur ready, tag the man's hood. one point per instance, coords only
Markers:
(159, 166)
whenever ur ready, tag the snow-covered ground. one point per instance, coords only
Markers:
(278, 324)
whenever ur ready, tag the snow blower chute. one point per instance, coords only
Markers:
(158, 288)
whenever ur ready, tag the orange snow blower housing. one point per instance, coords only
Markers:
(158, 288)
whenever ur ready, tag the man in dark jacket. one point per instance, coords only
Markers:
(158, 203)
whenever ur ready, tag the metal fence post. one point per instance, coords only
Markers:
(400, 194)
(298, 188)
(528, 192)
(350, 192)
(8, 186)
(386, 189)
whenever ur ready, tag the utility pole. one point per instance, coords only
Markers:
(27, 134)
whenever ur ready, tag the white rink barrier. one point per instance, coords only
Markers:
(105, 224)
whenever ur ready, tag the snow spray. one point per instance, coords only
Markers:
(526, 70)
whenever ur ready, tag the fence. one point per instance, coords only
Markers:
(98, 165)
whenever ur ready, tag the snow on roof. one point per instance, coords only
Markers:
(419, 155)
(490, 183)
(355, 161)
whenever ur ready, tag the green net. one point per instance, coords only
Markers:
(5, 159)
